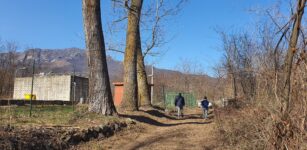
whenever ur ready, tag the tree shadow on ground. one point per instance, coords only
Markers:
(158, 108)
(191, 116)
(151, 121)
(159, 114)
(172, 116)
(156, 139)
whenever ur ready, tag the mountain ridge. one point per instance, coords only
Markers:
(73, 61)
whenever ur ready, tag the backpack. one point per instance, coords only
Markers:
(205, 104)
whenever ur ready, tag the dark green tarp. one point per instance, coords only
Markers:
(190, 100)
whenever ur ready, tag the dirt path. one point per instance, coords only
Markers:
(155, 130)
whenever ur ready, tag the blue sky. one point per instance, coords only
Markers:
(58, 24)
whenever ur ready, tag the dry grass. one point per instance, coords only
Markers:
(250, 128)
(243, 128)
(51, 115)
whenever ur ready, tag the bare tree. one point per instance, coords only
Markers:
(100, 97)
(150, 31)
(292, 48)
(130, 99)
(285, 84)
(239, 50)
(154, 16)
(230, 49)
(7, 68)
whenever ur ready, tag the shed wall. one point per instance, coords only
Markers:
(44, 87)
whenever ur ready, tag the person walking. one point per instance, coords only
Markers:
(205, 107)
(179, 103)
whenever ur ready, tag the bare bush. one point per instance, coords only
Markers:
(278, 69)
(7, 68)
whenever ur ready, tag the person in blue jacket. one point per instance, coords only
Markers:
(205, 107)
(179, 103)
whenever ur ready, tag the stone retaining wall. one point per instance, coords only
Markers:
(48, 138)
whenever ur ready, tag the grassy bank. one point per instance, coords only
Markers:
(51, 115)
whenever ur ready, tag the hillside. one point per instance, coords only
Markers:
(72, 60)
(62, 61)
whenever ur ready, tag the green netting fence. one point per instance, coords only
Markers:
(189, 98)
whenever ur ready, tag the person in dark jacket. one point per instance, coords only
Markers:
(205, 107)
(179, 103)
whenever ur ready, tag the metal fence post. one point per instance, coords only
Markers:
(32, 87)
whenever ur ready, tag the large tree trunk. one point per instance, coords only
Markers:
(130, 99)
(100, 97)
(143, 87)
